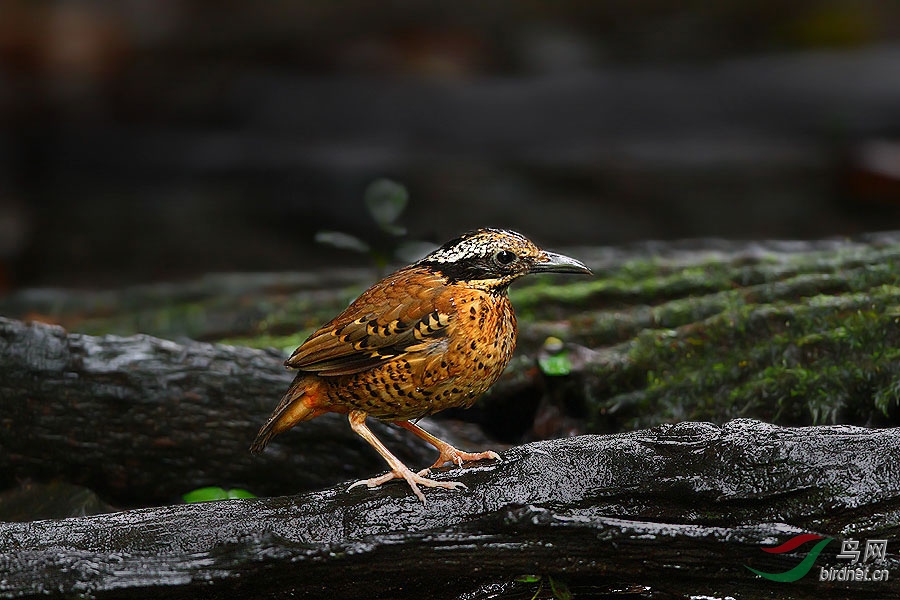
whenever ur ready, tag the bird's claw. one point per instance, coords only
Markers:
(458, 457)
(375, 481)
(413, 479)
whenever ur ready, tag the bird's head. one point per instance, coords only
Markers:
(491, 259)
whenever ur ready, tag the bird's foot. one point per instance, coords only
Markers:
(448, 452)
(413, 479)
(458, 457)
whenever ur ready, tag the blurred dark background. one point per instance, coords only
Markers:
(147, 140)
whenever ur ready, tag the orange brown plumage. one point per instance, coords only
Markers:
(434, 335)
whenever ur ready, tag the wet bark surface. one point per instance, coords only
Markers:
(667, 512)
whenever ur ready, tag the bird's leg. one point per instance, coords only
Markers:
(398, 469)
(448, 452)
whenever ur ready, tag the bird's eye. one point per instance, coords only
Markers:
(504, 257)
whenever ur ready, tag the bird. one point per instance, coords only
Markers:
(431, 336)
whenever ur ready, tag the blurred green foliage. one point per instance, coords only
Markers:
(385, 202)
(208, 494)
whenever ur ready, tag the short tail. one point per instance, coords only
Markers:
(293, 408)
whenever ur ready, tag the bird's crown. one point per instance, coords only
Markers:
(479, 244)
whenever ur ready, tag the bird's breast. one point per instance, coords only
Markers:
(451, 370)
(475, 352)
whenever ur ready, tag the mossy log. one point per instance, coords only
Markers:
(794, 333)
(674, 511)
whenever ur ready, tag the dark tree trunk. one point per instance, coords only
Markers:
(142, 421)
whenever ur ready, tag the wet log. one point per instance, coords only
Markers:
(674, 511)
(142, 420)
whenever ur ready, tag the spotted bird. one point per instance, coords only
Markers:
(434, 335)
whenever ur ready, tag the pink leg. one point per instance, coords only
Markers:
(398, 469)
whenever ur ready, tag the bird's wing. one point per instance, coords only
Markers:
(396, 316)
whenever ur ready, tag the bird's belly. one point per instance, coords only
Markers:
(449, 374)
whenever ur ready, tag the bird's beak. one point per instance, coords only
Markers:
(550, 262)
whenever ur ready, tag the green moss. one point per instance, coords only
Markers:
(285, 343)
(266, 321)
(815, 359)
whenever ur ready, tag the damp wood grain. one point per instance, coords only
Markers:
(673, 511)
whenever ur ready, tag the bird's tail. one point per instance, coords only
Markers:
(295, 406)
